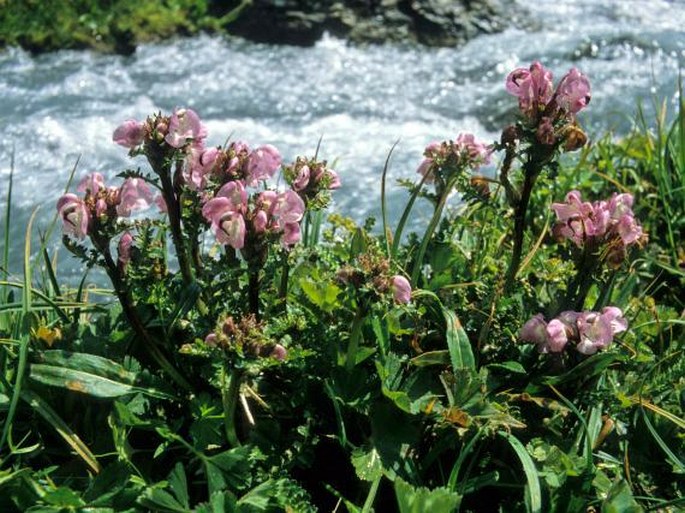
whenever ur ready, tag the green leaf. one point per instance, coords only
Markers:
(367, 464)
(322, 293)
(461, 354)
(160, 500)
(534, 492)
(179, 484)
(620, 500)
(228, 469)
(441, 357)
(88, 374)
(514, 367)
(423, 500)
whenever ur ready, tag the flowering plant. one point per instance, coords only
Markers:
(260, 344)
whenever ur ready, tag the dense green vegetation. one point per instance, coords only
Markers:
(281, 364)
(107, 25)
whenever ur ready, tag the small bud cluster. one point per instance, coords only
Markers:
(245, 337)
(372, 275)
(589, 331)
(312, 179)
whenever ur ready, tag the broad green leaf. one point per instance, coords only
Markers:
(88, 374)
(322, 293)
(620, 500)
(84, 382)
(367, 464)
(412, 499)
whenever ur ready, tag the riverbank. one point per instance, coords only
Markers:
(124, 24)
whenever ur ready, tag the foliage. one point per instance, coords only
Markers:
(255, 358)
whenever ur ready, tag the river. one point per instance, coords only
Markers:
(361, 100)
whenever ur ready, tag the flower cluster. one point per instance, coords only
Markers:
(232, 216)
(442, 158)
(101, 204)
(609, 221)
(589, 331)
(551, 112)
(312, 179)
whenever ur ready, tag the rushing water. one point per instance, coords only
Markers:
(361, 100)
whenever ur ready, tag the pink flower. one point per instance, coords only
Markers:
(279, 352)
(184, 126)
(124, 249)
(91, 183)
(288, 208)
(74, 214)
(161, 204)
(595, 333)
(129, 134)
(225, 213)
(262, 164)
(199, 163)
(291, 234)
(532, 86)
(134, 194)
(573, 92)
(534, 330)
(432, 151)
(401, 289)
(556, 337)
(473, 153)
(302, 180)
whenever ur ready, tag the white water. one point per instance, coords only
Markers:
(56, 107)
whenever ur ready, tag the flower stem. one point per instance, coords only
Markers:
(437, 213)
(253, 291)
(355, 337)
(134, 320)
(229, 397)
(371, 497)
(520, 224)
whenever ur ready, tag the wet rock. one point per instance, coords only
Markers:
(429, 22)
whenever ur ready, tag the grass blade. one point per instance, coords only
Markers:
(532, 477)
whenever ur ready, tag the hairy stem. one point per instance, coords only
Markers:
(520, 211)
(355, 338)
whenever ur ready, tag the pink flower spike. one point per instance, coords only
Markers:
(124, 248)
(401, 289)
(260, 221)
(184, 126)
(262, 164)
(134, 194)
(74, 214)
(129, 134)
(573, 92)
(91, 183)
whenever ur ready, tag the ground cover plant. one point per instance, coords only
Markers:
(521, 352)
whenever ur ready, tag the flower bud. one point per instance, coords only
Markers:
(574, 138)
